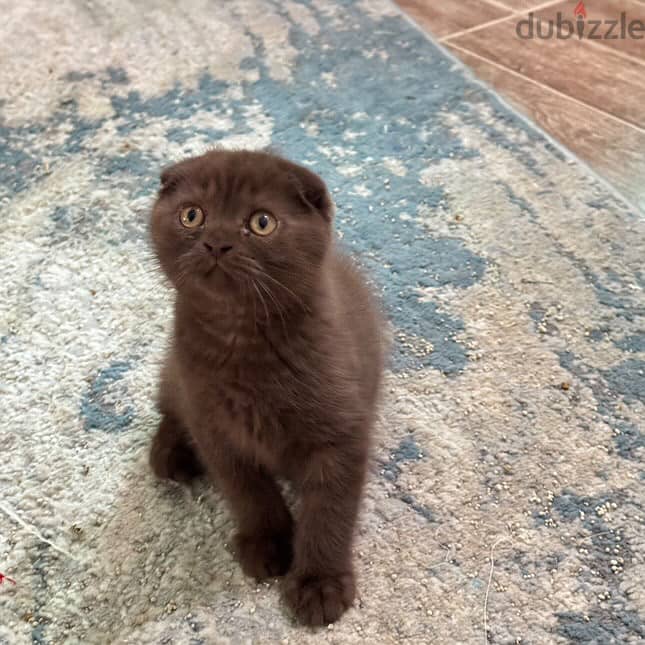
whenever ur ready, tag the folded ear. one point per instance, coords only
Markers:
(171, 176)
(312, 191)
(166, 176)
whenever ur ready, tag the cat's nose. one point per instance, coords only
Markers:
(217, 250)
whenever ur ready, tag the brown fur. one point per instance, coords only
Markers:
(273, 370)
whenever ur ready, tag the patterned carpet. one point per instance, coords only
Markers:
(507, 496)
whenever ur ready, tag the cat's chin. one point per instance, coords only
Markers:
(217, 279)
(214, 284)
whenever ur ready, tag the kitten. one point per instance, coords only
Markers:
(274, 367)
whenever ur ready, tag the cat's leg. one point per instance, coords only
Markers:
(172, 454)
(321, 584)
(265, 526)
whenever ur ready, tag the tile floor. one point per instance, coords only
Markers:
(588, 93)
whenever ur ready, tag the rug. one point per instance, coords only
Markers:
(506, 500)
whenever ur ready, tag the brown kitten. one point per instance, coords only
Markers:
(274, 367)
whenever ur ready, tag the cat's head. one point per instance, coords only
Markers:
(242, 224)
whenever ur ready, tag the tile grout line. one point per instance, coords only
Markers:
(499, 5)
(611, 50)
(609, 115)
(490, 23)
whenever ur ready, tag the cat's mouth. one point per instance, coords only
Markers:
(211, 270)
(216, 273)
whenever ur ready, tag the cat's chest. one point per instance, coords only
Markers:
(248, 411)
(259, 385)
(246, 386)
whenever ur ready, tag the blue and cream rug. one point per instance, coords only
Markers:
(508, 488)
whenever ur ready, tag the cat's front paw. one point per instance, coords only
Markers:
(264, 556)
(173, 458)
(319, 600)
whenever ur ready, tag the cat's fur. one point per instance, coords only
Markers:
(273, 370)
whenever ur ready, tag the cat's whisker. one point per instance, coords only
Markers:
(255, 310)
(255, 267)
(249, 260)
(266, 310)
(225, 271)
(277, 305)
(182, 270)
(296, 297)
(245, 282)
(181, 278)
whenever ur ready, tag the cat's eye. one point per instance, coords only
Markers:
(191, 216)
(262, 223)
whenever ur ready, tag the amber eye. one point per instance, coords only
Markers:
(262, 223)
(191, 216)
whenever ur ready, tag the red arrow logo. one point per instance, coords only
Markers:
(580, 11)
